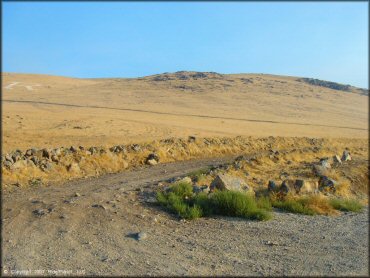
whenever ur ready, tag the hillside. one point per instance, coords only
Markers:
(52, 111)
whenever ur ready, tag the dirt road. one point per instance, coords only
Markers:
(88, 227)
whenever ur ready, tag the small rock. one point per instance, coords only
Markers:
(151, 162)
(141, 236)
(191, 139)
(136, 147)
(324, 162)
(39, 212)
(77, 194)
(46, 166)
(99, 206)
(54, 158)
(73, 149)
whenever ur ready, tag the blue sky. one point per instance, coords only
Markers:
(123, 39)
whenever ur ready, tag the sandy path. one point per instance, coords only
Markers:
(78, 238)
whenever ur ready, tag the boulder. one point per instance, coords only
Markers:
(324, 162)
(31, 152)
(152, 159)
(326, 183)
(288, 186)
(306, 187)
(346, 156)
(46, 153)
(46, 166)
(227, 182)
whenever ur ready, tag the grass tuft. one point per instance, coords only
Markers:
(181, 200)
(346, 205)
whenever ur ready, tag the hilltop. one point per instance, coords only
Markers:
(50, 111)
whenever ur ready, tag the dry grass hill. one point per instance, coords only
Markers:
(52, 111)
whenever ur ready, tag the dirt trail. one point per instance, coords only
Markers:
(90, 233)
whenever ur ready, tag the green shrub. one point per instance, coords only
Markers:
(182, 189)
(346, 205)
(264, 203)
(181, 200)
(294, 205)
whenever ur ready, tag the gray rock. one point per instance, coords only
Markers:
(58, 152)
(39, 212)
(136, 147)
(151, 162)
(7, 164)
(73, 149)
(35, 159)
(9, 158)
(227, 182)
(336, 159)
(46, 166)
(324, 162)
(272, 187)
(54, 158)
(93, 150)
(306, 187)
(99, 206)
(141, 236)
(326, 183)
(31, 152)
(288, 186)
(346, 156)
(191, 139)
(46, 153)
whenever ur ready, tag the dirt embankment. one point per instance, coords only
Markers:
(50, 166)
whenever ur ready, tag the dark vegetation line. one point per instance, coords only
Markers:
(174, 114)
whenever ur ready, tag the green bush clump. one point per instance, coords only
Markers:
(294, 205)
(182, 200)
(346, 205)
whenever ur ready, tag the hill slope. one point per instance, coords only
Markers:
(50, 111)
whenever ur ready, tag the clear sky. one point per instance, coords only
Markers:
(123, 39)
